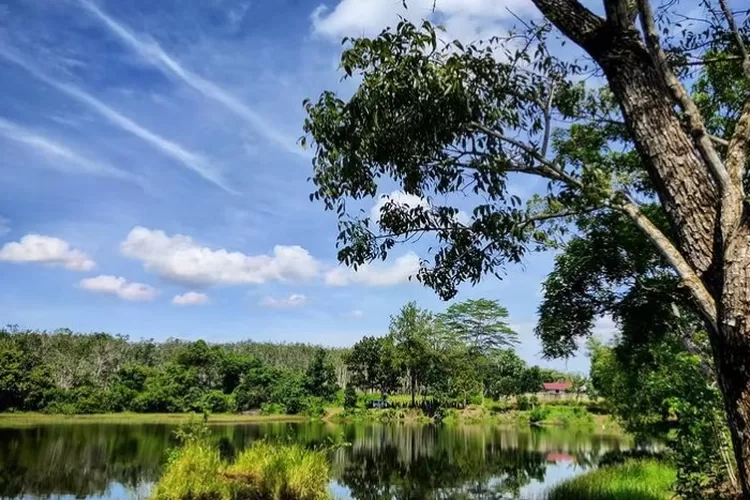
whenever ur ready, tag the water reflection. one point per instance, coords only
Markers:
(383, 461)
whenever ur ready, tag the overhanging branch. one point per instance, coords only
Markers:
(689, 277)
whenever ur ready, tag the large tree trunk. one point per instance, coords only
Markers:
(731, 345)
(715, 243)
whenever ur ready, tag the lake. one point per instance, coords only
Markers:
(122, 461)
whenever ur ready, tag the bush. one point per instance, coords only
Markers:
(523, 402)
(538, 414)
(314, 407)
(218, 402)
(272, 409)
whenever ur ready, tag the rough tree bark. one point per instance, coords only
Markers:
(703, 202)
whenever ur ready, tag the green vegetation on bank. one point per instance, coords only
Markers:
(631, 480)
(262, 471)
(453, 359)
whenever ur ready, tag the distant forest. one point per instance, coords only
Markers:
(459, 356)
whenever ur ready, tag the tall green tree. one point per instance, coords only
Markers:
(373, 364)
(505, 374)
(320, 377)
(443, 118)
(411, 330)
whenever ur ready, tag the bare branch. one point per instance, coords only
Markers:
(738, 38)
(548, 120)
(737, 150)
(695, 120)
(689, 277)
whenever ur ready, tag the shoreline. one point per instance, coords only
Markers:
(598, 424)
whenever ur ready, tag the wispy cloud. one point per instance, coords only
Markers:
(47, 146)
(294, 300)
(189, 159)
(152, 52)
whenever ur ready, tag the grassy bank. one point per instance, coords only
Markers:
(30, 419)
(631, 480)
(564, 414)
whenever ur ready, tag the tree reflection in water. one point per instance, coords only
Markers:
(383, 461)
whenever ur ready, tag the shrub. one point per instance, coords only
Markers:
(218, 402)
(314, 407)
(272, 409)
(523, 402)
(538, 414)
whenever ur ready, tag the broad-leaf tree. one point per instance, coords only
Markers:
(670, 115)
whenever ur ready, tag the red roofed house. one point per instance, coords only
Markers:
(556, 388)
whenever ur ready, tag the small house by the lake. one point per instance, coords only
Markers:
(556, 388)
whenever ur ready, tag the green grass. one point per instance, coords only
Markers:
(32, 419)
(263, 471)
(631, 480)
(193, 472)
(286, 471)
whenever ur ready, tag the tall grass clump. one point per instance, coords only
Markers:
(281, 471)
(193, 472)
(631, 480)
(264, 471)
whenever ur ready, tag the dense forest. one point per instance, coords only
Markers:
(459, 356)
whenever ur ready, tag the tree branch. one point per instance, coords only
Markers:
(680, 95)
(554, 170)
(548, 120)
(738, 38)
(620, 12)
(737, 150)
(690, 279)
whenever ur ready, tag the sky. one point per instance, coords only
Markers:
(154, 186)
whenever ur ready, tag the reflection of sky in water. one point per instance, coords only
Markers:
(120, 462)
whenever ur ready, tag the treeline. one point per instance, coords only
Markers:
(67, 372)
(459, 356)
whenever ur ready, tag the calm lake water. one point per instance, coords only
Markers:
(114, 461)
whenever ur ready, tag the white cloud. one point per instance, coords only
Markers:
(181, 259)
(190, 299)
(4, 225)
(408, 201)
(398, 198)
(467, 20)
(356, 314)
(189, 159)
(71, 160)
(154, 54)
(398, 272)
(294, 300)
(115, 285)
(605, 328)
(46, 250)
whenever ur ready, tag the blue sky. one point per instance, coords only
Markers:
(153, 185)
